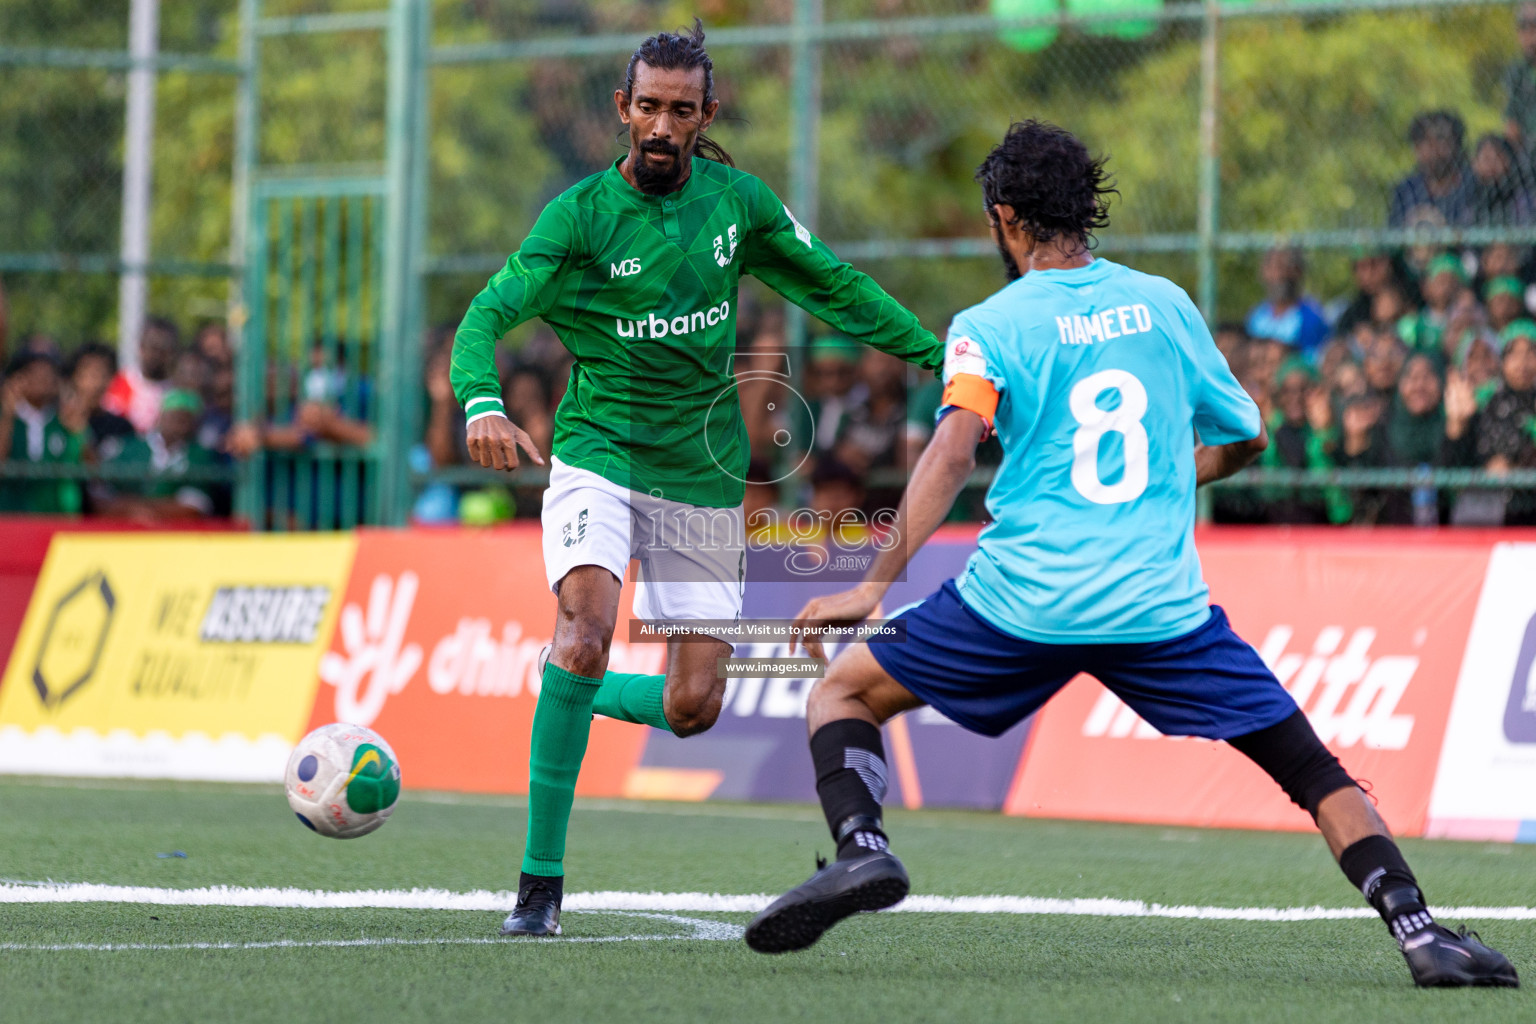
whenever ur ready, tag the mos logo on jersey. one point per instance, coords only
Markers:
(624, 268)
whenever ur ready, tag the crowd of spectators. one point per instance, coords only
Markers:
(161, 431)
(1432, 367)
(1430, 362)
(1427, 367)
(153, 423)
(1490, 184)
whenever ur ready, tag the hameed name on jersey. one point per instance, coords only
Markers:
(1104, 325)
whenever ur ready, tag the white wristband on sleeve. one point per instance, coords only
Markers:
(485, 415)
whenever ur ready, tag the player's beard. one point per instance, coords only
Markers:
(658, 181)
(1010, 265)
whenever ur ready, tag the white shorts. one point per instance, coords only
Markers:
(693, 559)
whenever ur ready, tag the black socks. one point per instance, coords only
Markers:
(850, 778)
(1375, 866)
(555, 884)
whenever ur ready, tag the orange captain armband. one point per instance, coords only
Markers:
(973, 393)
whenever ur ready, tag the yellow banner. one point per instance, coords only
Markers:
(133, 643)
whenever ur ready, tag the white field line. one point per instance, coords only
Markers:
(679, 902)
(698, 929)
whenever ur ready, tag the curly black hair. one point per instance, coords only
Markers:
(682, 50)
(1054, 186)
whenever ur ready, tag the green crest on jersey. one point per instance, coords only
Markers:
(374, 782)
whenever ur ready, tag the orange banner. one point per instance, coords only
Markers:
(1367, 636)
(437, 647)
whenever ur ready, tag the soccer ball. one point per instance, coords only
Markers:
(343, 781)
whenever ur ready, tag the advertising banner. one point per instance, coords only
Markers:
(1368, 637)
(168, 656)
(437, 647)
(438, 643)
(1486, 785)
(207, 656)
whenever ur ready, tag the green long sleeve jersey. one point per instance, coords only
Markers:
(642, 290)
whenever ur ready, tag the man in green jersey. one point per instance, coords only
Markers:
(636, 270)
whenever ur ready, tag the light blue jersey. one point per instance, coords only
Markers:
(1105, 375)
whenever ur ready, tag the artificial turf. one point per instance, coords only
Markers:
(891, 967)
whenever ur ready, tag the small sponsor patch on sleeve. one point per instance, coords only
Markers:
(801, 231)
(963, 355)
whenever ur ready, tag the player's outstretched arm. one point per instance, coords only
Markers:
(937, 479)
(519, 291)
(1217, 462)
(799, 266)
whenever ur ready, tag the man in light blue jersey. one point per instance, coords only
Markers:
(1112, 405)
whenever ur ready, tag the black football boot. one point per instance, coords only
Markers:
(538, 906)
(797, 919)
(1439, 957)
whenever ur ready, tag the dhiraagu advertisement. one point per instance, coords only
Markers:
(182, 656)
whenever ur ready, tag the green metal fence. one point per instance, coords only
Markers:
(372, 163)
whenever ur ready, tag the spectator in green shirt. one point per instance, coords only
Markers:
(1303, 437)
(32, 429)
(164, 454)
(1444, 281)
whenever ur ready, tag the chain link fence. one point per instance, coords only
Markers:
(1231, 128)
(1311, 103)
(1313, 111)
(63, 72)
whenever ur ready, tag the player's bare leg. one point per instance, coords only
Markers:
(685, 701)
(588, 607)
(844, 714)
(694, 687)
(1360, 841)
(1347, 816)
(857, 687)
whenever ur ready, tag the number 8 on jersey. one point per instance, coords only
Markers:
(1094, 422)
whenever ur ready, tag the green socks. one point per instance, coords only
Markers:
(631, 697)
(561, 722)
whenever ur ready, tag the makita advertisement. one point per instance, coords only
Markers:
(1413, 653)
(1369, 639)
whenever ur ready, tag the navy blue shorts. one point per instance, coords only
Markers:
(1206, 683)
